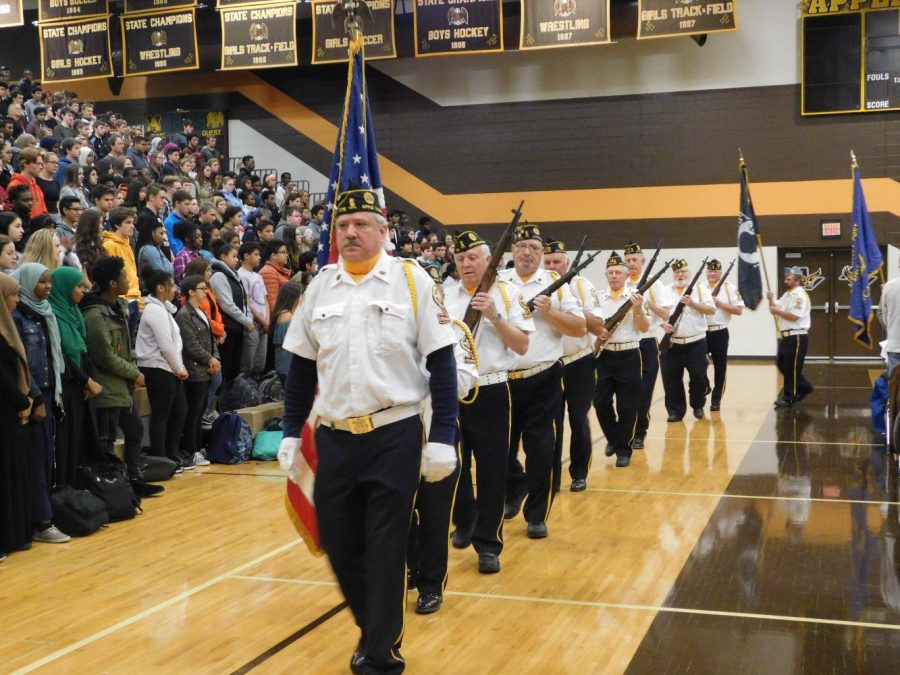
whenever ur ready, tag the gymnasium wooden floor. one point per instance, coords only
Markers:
(754, 542)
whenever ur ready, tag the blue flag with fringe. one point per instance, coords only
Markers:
(865, 267)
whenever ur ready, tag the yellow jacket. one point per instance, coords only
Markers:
(117, 245)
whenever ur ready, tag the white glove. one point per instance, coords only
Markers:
(438, 461)
(287, 455)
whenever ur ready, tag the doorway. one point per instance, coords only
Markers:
(831, 333)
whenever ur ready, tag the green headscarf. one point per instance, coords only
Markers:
(72, 330)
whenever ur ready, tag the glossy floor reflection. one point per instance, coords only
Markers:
(808, 527)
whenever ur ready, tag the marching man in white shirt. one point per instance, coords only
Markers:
(484, 413)
(792, 317)
(729, 303)
(536, 382)
(619, 364)
(578, 374)
(361, 334)
(688, 349)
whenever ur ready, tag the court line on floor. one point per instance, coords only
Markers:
(290, 639)
(755, 440)
(716, 495)
(109, 630)
(616, 605)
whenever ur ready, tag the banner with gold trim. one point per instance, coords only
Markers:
(670, 18)
(547, 24)
(330, 42)
(150, 6)
(78, 50)
(160, 43)
(259, 36)
(68, 10)
(454, 27)
(11, 13)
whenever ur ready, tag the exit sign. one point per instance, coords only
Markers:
(831, 229)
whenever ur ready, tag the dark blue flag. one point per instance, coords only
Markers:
(355, 156)
(749, 271)
(865, 267)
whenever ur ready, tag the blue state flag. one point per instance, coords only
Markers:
(865, 267)
(355, 161)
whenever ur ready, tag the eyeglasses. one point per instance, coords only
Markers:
(202, 289)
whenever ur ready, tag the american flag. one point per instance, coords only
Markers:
(355, 161)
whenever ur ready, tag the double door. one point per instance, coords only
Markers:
(831, 332)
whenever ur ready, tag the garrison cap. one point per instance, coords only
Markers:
(527, 231)
(714, 265)
(433, 272)
(554, 246)
(679, 264)
(632, 248)
(614, 261)
(465, 241)
(794, 271)
(356, 200)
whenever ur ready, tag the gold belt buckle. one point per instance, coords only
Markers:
(360, 425)
(516, 375)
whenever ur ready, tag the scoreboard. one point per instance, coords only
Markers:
(851, 62)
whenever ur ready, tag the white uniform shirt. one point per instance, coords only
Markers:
(692, 322)
(626, 331)
(545, 344)
(890, 312)
(587, 297)
(796, 301)
(728, 293)
(493, 355)
(367, 339)
(657, 294)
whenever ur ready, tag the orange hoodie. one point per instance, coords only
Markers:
(40, 206)
(119, 245)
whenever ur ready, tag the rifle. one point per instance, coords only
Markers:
(715, 291)
(649, 267)
(666, 342)
(574, 269)
(473, 316)
(613, 322)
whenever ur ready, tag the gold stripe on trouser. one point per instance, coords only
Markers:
(499, 533)
(453, 500)
(555, 431)
(640, 370)
(399, 638)
(591, 453)
(796, 358)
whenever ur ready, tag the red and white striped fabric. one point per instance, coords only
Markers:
(299, 502)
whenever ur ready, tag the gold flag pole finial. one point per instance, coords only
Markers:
(741, 163)
(853, 161)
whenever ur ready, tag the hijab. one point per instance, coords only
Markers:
(10, 335)
(72, 330)
(27, 275)
(83, 153)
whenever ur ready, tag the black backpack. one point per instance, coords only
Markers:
(78, 513)
(110, 483)
(158, 469)
(270, 388)
(241, 393)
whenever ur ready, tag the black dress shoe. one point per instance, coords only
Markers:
(673, 418)
(511, 509)
(428, 603)
(637, 443)
(623, 461)
(698, 413)
(537, 530)
(488, 563)
(715, 407)
(142, 489)
(462, 536)
(783, 403)
(358, 660)
(610, 450)
(578, 485)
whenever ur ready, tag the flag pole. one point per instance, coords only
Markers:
(759, 244)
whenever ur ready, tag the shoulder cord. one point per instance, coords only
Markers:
(467, 336)
(411, 282)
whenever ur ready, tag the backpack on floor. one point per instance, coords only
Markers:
(158, 469)
(231, 440)
(241, 393)
(78, 513)
(110, 483)
(265, 447)
(270, 388)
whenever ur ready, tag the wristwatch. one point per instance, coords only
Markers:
(497, 317)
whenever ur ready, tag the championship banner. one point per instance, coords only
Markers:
(458, 27)
(75, 51)
(11, 13)
(330, 43)
(667, 18)
(57, 10)
(142, 6)
(160, 43)
(547, 24)
(259, 36)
